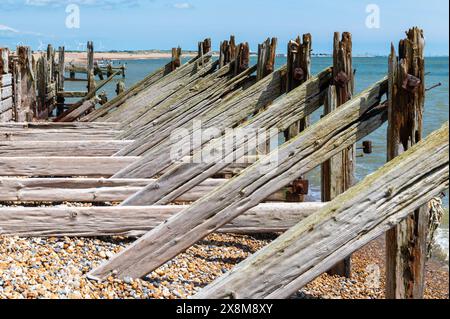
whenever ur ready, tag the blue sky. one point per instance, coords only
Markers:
(162, 24)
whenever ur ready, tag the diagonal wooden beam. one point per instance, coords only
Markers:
(350, 221)
(353, 121)
(281, 115)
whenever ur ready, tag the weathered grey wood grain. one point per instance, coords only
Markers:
(63, 166)
(159, 90)
(136, 221)
(56, 134)
(350, 221)
(61, 148)
(234, 109)
(281, 115)
(338, 130)
(79, 126)
(95, 190)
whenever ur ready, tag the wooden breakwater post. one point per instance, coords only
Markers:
(24, 85)
(60, 100)
(338, 172)
(227, 51)
(266, 58)
(298, 72)
(406, 242)
(90, 67)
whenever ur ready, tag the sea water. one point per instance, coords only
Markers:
(368, 71)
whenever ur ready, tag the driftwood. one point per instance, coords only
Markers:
(283, 113)
(340, 129)
(136, 221)
(346, 224)
(61, 148)
(95, 190)
(228, 113)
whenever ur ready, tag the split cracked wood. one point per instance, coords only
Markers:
(406, 243)
(180, 178)
(136, 221)
(353, 121)
(350, 221)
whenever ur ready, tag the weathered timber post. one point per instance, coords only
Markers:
(298, 72)
(26, 79)
(176, 58)
(203, 48)
(227, 51)
(266, 58)
(120, 87)
(4, 61)
(406, 242)
(242, 59)
(60, 81)
(338, 172)
(41, 84)
(90, 66)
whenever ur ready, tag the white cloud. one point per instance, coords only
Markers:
(5, 28)
(183, 5)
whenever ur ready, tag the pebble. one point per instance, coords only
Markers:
(55, 268)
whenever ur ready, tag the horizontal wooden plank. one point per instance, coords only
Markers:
(80, 126)
(135, 221)
(5, 79)
(61, 148)
(6, 105)
(63, 166)
(6, 116)
(92, 190)
(6, 92)
(70, 94)
(56, 134)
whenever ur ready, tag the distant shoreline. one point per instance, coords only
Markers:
(80, 56)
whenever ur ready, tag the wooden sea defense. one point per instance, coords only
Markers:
(406, 243)
(266, 58)
(228, 113)
(183, 106)
(97, 190)
(26, 80)
(135, 106)
(354, 218)
(136, 221)
(73, 111)
(353, 121)
(132, 91)
(337, 174)
(60, 100)
(181, 177)
(227, 51)
(55, 134)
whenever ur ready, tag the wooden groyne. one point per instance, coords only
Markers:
(119, 151)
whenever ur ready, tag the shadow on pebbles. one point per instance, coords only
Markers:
(56, 268)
